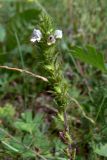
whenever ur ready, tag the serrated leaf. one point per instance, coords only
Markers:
(90, 56)
(102, 150)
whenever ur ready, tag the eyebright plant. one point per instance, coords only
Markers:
(48, 57)
(46, 36)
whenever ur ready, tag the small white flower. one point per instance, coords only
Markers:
(51, 40)
(36, 36)
(58, 34)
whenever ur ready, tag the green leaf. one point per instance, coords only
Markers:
(28, 123)
(28, 154)
(23, 22)
(90, 56)
(10, 147)
(2, 33)
(2, 134)
(102, 150)
(7, 112)
(28, 127)
(27, 116)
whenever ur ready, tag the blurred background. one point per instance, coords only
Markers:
(83, 22)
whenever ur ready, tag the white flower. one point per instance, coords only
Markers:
(58, 34)
(36, 36)
(51, 40)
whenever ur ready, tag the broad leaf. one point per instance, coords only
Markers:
(102, 150)
(90, 56)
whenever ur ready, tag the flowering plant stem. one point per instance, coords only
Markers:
(50, 67)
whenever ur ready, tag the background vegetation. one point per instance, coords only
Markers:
(29, 127)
